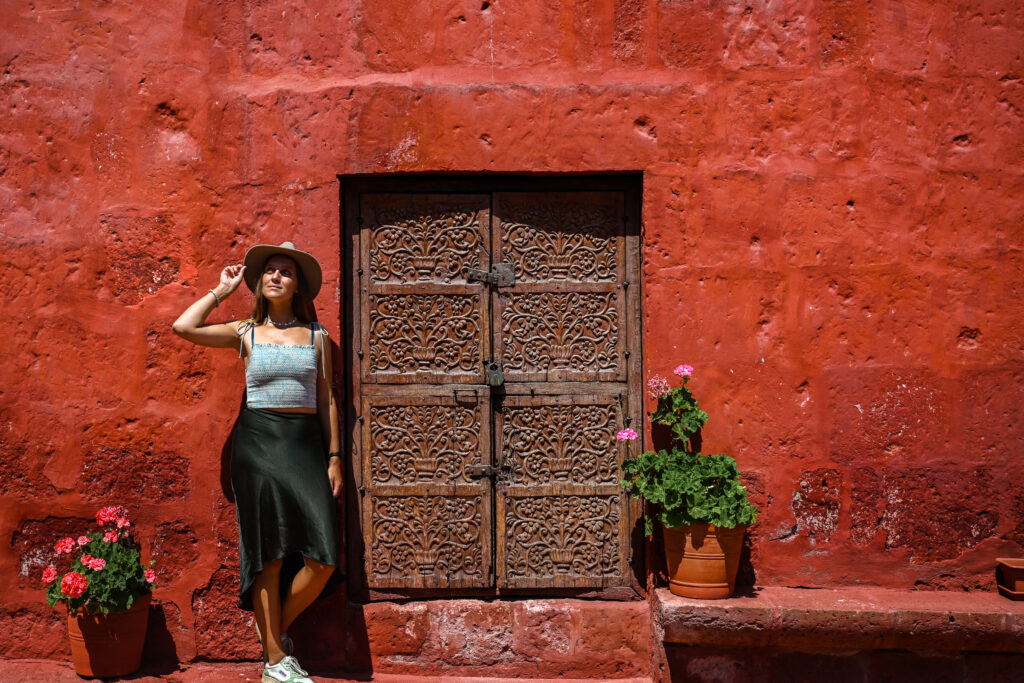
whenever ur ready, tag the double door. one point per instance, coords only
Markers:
(495, 346)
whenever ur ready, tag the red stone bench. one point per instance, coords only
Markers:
(845, 619)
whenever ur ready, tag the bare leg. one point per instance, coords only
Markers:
(305, 588)
(266, 603)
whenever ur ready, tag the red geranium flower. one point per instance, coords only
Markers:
(110, 536)
(64, 545)
(150, 575)
(111, 513)
(50, 574)
(73, 585)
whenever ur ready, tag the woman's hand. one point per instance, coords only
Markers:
(231, 277)
(191, 324)
(335, 476)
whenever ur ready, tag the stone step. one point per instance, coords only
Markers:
(851, 618)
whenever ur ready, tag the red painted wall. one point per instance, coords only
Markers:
(833, 228)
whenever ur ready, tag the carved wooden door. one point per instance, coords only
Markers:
(503, 479)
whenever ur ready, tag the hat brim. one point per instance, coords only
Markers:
(258, 255)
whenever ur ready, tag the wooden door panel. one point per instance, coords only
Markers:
(551, 439)
(440, 539)
(567, 237)
(565, 318)
(424, 238)
(427, 519)
(560, 336)
(562, 519)
(422, 322)
(560, 541)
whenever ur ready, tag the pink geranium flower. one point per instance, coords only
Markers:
(73, 584)
(110, 536)
(64, 545)
(626, 434)
(86, 558)
(658, 386)
(97, 564)
(150, 575)
(83, 540)
(684, 370)
(50, 574)
(122, 523)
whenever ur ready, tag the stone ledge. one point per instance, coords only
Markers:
(845, 619)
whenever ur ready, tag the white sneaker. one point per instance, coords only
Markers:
(285, 671)
(293, 664)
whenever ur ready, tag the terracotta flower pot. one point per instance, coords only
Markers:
(1010, 577)
(104, 645)
(703, 560)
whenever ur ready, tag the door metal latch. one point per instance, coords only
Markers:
(500, 275)
(480, 471)
(495, 374)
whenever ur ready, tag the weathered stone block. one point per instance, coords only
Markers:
(909, 507)
(32, 543)
(175, 548)
(223, 632)
(883, 415)
(816, 503)
(134, 473)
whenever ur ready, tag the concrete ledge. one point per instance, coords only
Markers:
(846, 619)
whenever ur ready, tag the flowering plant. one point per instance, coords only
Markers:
(99, 571)
(686, 486)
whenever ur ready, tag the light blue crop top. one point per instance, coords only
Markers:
(282, 375)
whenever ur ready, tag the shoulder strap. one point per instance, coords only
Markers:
(242, 328)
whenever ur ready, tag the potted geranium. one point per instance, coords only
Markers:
(699, 500)
(100, 578)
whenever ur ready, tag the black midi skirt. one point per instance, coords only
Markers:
(282, 497)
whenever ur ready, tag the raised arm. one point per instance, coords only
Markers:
(190, 324)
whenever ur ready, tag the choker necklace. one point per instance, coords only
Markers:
(281, 326)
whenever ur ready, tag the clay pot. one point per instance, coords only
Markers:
(1010, 577)
(105, 645)
(703, 560)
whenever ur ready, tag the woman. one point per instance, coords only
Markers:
(282, 476)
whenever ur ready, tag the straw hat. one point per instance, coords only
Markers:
(258, 255)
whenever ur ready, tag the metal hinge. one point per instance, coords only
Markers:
(500, 275)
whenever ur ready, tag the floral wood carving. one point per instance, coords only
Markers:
(434, 536)
(424, 242)
(424, 332)
(562, 535)
(549, 241)
(423, 444)
(553, 331)
(561, 443)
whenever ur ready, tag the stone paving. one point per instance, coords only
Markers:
(49, 671)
